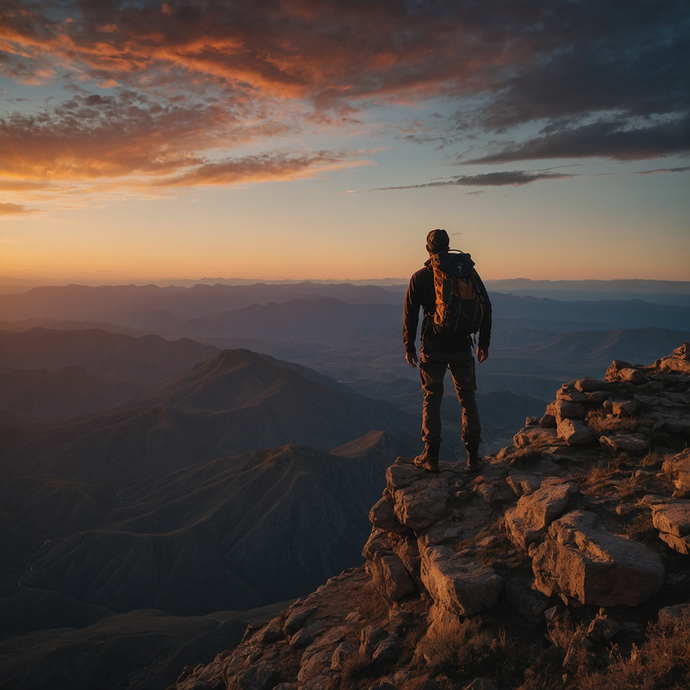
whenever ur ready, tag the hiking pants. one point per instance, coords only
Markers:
(432, 369)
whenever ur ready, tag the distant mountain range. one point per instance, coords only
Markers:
(233, 403)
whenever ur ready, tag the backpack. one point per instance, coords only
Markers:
(459, 302)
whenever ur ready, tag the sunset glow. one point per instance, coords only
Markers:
(311, 139)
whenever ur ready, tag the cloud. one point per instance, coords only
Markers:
(609, 139)
(180, 85)
(261, 168)
(516, 178)
(663, 170)
(13, 209)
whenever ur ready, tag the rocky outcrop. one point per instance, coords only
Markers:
(579, 532)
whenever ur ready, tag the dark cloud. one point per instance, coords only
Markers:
(663, 170)
(598, 79)
(497, 179)
(606, 139)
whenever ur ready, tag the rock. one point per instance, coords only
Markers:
(548, 421)
(673, 517)
(671, 614)
(481, 684)
(390, 577)
(527, 601)
(634, 376)
(296, 620)
(369, 639)
(531, 421)
(576, 433)
(382, 515)
(459, 584)
(535, 436)
(342, 653)
(585, 562)
(598, 397)
(679, 544)
(567, 392)
(523, 483)
(564, 409)
(621, 408)
(679, 468)
(537, 510)
(399, 621)
(636, 444)
(387, 651)
(421, 504)
(590, 385)
(258, 677)
(378, 545)
(272, 632)
(305, 636)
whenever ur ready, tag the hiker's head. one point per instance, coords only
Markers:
(437, 241)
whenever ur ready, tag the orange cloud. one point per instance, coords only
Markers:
(13, 209)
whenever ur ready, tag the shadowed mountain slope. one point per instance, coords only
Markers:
(42, 394)
(111, 355)
(236, 402)
(232, 533)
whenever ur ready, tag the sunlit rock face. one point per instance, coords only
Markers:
(583, 542)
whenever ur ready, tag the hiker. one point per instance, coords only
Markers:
(455, 305)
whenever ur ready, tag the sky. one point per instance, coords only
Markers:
(314, 139)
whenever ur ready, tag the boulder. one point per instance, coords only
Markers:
(673, 518)
(421, 504)
(630, 375)
(576, 433)
(590, 385)
(523, 482)
(341, 654)
(679, 544)
(548, 421)
(535, 436)
(390, 577)
(582, 561)
(370, 637)
(382, 515)
(567, 392)
(564, 409)
(670, 614)
(387, 651)
(679, 468)
(458, 583)
(297, 619)
(636, 444)
(537, 510)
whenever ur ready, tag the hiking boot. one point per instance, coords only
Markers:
(428, 460)
(474, 462)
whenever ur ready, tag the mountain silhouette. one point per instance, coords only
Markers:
(236, 402)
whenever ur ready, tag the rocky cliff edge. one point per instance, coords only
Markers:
(563, 563)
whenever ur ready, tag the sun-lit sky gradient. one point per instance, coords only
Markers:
(321, 139)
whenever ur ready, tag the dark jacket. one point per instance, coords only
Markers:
(421, 293)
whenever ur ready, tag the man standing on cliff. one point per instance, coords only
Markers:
(455, 305)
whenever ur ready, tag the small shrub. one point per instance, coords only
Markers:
(524, 457)
(663, 661)
(466, 649)
(604, 423)
(631, 487)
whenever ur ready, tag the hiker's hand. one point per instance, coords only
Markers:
(481, 355)
(411, 358)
